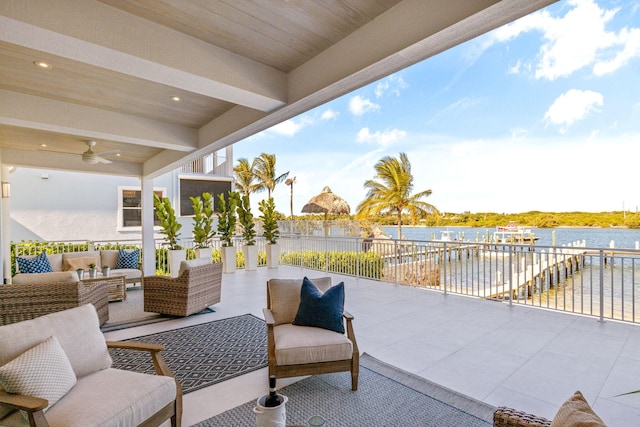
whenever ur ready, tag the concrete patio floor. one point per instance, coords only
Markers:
(526, 358)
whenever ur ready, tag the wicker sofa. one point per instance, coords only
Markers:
(197, 287)
(20, 302)
(63, 266)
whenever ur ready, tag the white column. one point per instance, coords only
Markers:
(5, 228)
(229, 160)
(148, 243)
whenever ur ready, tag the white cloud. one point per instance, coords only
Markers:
(329, 114)
(394, 84)
(572, 106)
(384, 139)
(630, 39)
(574, 41)
(359, 105)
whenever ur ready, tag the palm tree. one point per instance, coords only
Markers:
(390, 192)
(265, 172)
(246, 177)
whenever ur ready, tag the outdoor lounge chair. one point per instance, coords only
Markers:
(305, 350)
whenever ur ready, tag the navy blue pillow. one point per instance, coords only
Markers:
(37, 264)
(127, 259)
(322, 310)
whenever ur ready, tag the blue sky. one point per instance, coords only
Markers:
(542, 114)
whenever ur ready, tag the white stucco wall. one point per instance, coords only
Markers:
(74, 206)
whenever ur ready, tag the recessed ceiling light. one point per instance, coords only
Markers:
(43, 64)
(117, 154)
(43, 145)
(175, 98)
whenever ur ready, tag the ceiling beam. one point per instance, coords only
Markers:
(83, 31)
(71, 162)
(28, 111)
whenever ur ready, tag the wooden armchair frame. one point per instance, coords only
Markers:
(286, 371)
(33, 406)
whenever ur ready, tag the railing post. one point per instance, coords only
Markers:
(444, 264)
(601, 285)
(510, 275)
(395, 260)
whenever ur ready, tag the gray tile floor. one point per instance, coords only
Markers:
(522, 357)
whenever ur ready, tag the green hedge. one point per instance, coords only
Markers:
(366, 264)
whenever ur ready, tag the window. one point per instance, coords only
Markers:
(193, 187)
(130, 208)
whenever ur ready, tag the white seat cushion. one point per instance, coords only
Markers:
(35, 278)
(112, 397)
(296, 345)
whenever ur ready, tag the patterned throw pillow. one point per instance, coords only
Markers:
(37, 264)
(322, 310)
(43, 371)
(127, 259)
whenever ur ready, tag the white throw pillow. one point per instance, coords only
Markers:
(43, 371)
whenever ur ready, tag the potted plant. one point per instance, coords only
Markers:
(93, 271)
(171, 230)
(227, 227)
(270, 231)
(249, 249)
(203, 230)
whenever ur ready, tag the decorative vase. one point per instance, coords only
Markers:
(228, 259)
(174, 258)
(80, 273)
(204, 253)
(93, 273)
(273, 255)
(250, 253)
(106, 270)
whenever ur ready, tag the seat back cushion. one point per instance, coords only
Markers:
(108, 257)
(284, 297)
(77, 330)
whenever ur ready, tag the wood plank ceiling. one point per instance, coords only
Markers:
(238, 67)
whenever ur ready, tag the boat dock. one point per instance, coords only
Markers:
(547, 269)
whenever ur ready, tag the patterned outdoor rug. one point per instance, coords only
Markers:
(130, 312)
(206, 354)
(386, 396)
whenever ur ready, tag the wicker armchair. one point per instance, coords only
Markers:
(28, 301)
(197, 287)
(508, 417)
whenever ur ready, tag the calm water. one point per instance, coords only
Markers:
(594, 237)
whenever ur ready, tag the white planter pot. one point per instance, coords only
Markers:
(228, 259)
(174, 258)
(250, 257)
(273, 255)
(204, 253)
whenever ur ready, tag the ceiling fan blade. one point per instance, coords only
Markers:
(101, 160)
(109, 153)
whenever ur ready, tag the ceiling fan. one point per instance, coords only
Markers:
(92, 157)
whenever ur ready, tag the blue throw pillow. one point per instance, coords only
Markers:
(322, 310)
(127, 259)
(37, 264)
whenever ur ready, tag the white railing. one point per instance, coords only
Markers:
(602, 282)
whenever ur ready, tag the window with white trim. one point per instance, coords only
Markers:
(130, 208)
